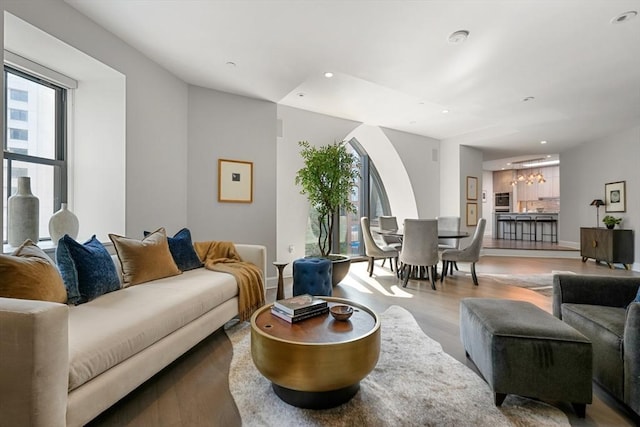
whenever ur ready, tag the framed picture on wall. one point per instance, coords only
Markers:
(472, 188)
(472, 214)
(615, 197)
(235, 181)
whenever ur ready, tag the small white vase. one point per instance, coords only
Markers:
(23, 215)
(63, 222)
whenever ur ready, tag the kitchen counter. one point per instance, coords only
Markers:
(550, 228)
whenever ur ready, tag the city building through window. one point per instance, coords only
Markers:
(35, 142)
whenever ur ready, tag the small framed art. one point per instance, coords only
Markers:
(235, 181)
(472, 214)
(615, 197)
(472, 188)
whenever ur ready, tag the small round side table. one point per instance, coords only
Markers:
(280, 265)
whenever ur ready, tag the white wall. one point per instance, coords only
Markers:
(583, 173)
(450, 179)
(233, 127)
(419, 157)
(97, 159)
(487, 206)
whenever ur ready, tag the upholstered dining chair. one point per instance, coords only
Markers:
(449, 223)
(419, 248)
(390, 223)
(373, 251)
(469, 254)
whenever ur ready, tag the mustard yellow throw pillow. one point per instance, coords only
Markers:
(144, 260)
(28, 273)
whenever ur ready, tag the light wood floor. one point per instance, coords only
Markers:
(194, 390)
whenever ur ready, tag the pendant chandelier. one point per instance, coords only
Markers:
(528, 179)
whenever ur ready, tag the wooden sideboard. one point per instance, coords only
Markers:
(610, 246)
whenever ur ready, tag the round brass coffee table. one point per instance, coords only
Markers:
(316, 363)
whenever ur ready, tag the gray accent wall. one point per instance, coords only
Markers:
(225, 126)
(584, 170)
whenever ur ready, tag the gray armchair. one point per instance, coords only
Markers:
(600, 308)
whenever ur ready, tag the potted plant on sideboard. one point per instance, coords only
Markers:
(328, 177)
(611, 221)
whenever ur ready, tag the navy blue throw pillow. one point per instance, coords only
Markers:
(181, 248)
(87, 269)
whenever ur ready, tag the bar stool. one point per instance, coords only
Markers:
(505, 220)
(553, 227)
(525, 220)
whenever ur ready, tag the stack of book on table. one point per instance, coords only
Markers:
(299, 308)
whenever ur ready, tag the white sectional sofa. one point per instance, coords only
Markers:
(63, 365)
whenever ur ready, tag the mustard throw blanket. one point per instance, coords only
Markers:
(222, 256)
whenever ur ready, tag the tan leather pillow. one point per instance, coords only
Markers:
(144, 260)
(28, 273)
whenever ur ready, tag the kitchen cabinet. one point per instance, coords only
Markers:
(502, 181)
(610, 246)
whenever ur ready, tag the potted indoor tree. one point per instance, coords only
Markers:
(611, 221)
(328, 178)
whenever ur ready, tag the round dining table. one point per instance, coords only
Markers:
(442, 234)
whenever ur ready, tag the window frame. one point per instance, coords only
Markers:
(59, 163)
(368, 173)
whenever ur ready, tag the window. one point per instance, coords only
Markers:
(20, 134)
(15, 114)
(369, 198)
(19, 95)
(38, 150)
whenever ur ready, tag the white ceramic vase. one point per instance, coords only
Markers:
(23, 214)
(63, 222)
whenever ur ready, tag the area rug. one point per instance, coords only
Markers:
(415, 383)
(541, 283)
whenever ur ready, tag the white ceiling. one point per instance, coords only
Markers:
(395, 68)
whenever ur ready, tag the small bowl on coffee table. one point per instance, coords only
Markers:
(341, 312)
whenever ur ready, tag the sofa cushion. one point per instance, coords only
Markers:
(86, 268)
(181, 248)
(118, 325)
(144, 260)
(28, 273)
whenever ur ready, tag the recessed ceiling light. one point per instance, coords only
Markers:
(328, 74)
(548, 156)
(624, 17)
(231, 63)
(543, 142)
(300, 94)
(458, 37)
(445, 111)
(528, 98)
(412, 122)
(508, 163)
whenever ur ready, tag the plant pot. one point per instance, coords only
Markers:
(610, 226)
(340, 266)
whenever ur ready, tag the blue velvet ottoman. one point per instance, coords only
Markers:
(521, 349)
(312, 276)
